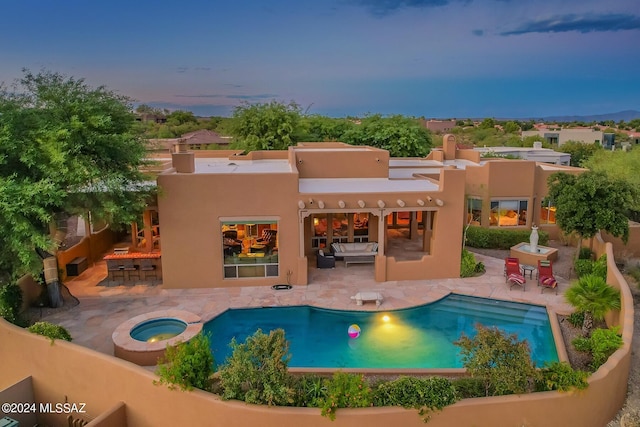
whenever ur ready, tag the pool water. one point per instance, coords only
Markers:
(418, 337)
(158, 330)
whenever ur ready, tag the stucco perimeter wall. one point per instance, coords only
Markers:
(622, 250)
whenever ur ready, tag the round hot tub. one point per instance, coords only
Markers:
(158, 329)
(144, 339)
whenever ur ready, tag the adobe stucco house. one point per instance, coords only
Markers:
(260, 219)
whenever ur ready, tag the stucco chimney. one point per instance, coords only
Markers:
(183, 161)
(449, 146)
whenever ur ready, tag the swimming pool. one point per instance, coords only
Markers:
(418, 337)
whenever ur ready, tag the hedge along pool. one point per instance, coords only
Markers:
(418, 337)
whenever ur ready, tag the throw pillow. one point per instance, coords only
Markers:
(549, 282)
(343, 248)
(369, 247)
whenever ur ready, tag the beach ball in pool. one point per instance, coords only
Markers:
(354, 331)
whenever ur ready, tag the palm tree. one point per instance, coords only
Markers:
(594, 297)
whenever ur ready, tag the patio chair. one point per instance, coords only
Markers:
(325, 261)
(512, 271)
(545, 276)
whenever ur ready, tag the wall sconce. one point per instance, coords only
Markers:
(300, 204)
(420, 202)
(341, 203)
(381, 204)
(400, 203)
(320, 204)
(439, 202)
(361, 203)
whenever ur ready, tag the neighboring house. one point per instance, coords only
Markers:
(535, 153)
(439, 126)
(257, 219)
(196, 140)
(561, 136)
(204, 137)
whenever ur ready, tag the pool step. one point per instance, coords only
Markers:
(493, 310)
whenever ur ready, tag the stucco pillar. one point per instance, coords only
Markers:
(413, 225)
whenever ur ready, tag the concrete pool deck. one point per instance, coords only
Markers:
(103, 308)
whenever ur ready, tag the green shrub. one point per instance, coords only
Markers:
(11, 303)
(600, 267)
(576, 319)
(561, 376)
(425, 394)
(497, 238)
(49, 330)
(345, 390)
(604, 342)
(635, 273)
(187, 365)
(480, 268)
(585, 253)
(309, 389)
(583, 267)
(468, 264)
(256, 372)
(500, 360)
(468, 387)
(601, 344)
(587, 266)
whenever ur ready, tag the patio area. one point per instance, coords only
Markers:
(103, 308)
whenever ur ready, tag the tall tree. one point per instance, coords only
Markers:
(401, 136)
(590, 202)
(620, 165)
(65, 147)
(269, 126)
(580, 152)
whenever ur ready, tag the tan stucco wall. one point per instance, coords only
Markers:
(319, 160)
(191, 207)
(622, 250)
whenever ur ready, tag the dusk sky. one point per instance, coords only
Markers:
(431, 58)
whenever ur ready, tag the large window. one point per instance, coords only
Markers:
(250, 249)
(474, 211)
(548, 213)
(508, 213)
